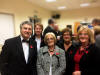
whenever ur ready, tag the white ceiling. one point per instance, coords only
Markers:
(70, 4)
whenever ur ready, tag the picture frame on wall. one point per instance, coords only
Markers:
(69, 26)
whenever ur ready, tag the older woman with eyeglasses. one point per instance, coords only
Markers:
(84, 59)
(51, 58)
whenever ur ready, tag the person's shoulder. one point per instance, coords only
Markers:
(47, 27)
(12, 39)
(92, 46)
(59, 49)
(60, 43)
(43, 48)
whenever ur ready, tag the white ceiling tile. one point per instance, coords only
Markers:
(70, 4)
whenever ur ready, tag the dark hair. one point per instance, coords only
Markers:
(26, 22)
(99, 22)
(96, 30)
(95, 21)
(67, 30)
(50, 21)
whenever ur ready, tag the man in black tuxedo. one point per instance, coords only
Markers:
(50, 27)
(19, 54)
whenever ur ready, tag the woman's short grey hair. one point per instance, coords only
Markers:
(50, 33)
(26, 22)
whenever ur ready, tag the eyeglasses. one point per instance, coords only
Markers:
(50, 39)
(66, 34)
(85, 34)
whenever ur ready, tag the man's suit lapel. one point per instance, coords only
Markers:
(31, 49)
(20, 49)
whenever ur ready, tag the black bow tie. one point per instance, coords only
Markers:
(27, 41)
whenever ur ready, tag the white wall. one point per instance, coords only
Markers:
(72, 16)
(7, 27)
(22, 10)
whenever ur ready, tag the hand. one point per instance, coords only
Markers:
(76, 73)
(58, 37)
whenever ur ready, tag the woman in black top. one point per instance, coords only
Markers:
(84, 59)
(66, 43)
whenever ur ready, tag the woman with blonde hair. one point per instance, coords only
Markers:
(84, 59)
(51, 58)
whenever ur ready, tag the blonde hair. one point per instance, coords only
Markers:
(50, 33)
(38, 24)
(89, 32)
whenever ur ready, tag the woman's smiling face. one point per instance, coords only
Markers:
(84, 37)
(50, 40)
(66, 37)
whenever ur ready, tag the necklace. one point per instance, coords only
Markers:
(51, 50)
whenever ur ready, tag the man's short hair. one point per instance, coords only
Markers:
(95, 21)
(51, 21)
(26, 22)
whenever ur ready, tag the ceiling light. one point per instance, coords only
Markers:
(50, 0)
(61, 7)
(84, 4)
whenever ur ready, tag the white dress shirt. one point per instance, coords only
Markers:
(38, 41)
(25, 46)
(50, 72)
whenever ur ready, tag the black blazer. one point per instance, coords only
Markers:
(49, 29)
(42, 40)
(89, 63)
(12, 61)
(60, 43)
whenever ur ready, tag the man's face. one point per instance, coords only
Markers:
(38, 30)
(26, 31)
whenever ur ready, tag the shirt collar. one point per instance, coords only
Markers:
(22, 38)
